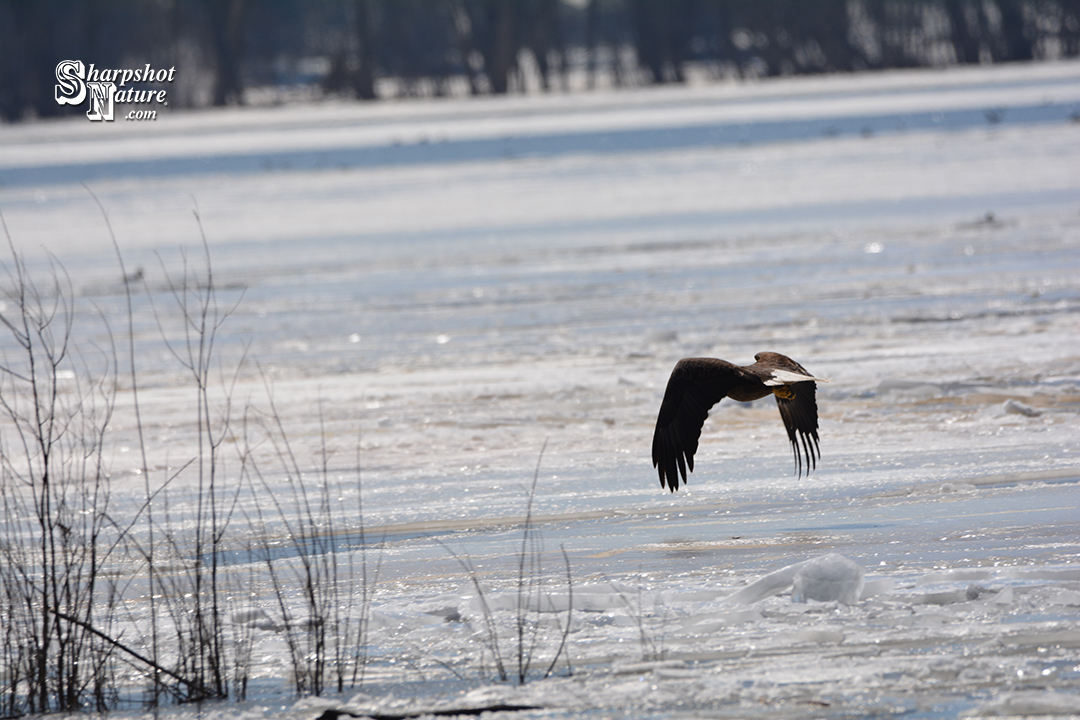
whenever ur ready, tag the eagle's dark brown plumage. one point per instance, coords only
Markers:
(696, 384)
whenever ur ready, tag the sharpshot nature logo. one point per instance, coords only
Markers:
(105, 88)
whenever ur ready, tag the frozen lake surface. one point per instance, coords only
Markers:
(438, 292)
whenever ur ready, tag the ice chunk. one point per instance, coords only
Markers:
(831, 577)
(254, 618)
(828, 578)
(243, 617)
(877, 586)
(1018, 408)
(449, 613)
(772, 584)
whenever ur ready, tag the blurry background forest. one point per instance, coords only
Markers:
(248, 52)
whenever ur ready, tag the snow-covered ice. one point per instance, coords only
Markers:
(441, 291)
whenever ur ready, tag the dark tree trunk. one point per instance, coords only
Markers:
(965, 42)
(227, 26)
(1016, 41)
(364, 80)
(500, 57)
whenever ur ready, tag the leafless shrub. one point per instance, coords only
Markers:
(529, 600)
(55, 406)
(327, 645)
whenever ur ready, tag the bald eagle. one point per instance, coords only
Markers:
(696, 384)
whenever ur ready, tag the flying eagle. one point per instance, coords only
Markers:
(696, 384)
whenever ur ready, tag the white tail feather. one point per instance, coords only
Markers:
(784, 377)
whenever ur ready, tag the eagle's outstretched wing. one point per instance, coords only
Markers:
(800, 416)
(695, 385)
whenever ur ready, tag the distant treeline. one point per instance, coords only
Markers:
(235, 51)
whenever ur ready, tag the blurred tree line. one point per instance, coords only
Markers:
(233, 51)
